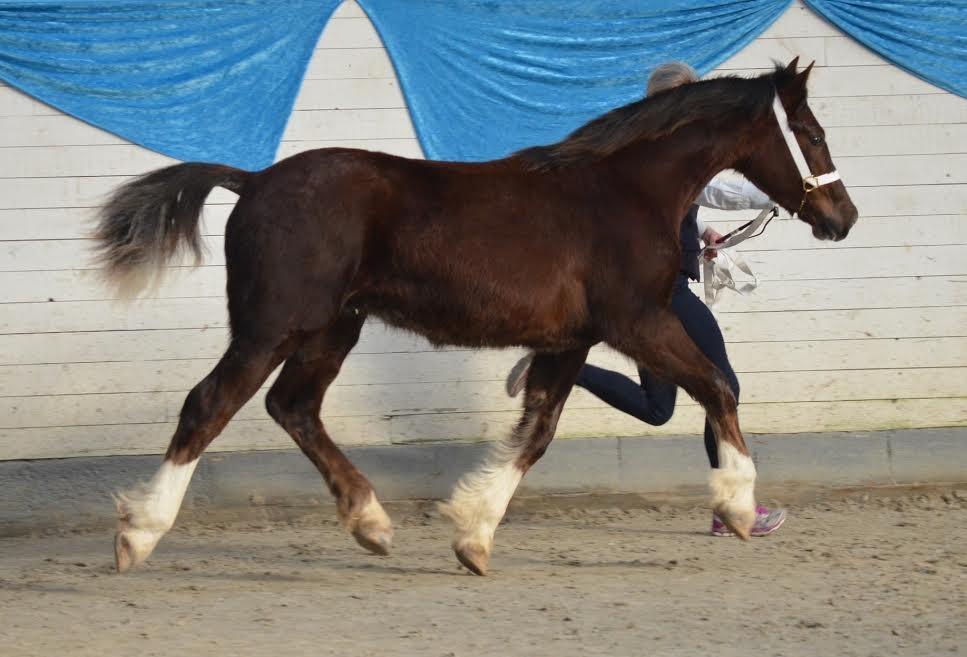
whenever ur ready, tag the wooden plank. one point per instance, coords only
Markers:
(891, 140)
(846, 51)
(844, 324)
(152, 438)
(51, 130)
(313, 125)
(348, 9)
(27, 193)
(107, 440)
(73, 223)
(62, 161)
(408, 147)
(121, 160)
(817, 293)
(798, 22)
(450, 397)
(62, 130)
(895, 200)
(763, 51)
(756, 418)
(14, 102)
(798, 417)
(885, 80)
(357, 93)
(845, 294)
(486, 366)
(889, 110)
(846, 262)
(210, 341)
(901, 200)
(128, 159)
(82, 285)
(195, 312)
(784, 235)
(112, 345)
(858, 263)
(356, 32)
(55, 255)
(903, 169)
(372, 63)
(779, 288)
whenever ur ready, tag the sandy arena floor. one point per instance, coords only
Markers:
(866, 574)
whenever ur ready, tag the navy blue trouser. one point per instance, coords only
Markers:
(654, 400)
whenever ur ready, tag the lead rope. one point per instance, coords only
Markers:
(717, 273)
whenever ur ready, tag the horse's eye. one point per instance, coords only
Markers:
(816, 140)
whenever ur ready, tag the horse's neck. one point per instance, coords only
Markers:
(675, 169)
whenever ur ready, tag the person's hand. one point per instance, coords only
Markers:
(711, 236)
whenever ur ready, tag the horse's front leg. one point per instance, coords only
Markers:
(659, 343)
(480, 499)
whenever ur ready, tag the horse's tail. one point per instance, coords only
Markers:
(154, 217)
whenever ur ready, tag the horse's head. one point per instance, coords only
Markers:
(803, 180)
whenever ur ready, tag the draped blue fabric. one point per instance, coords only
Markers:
(926, 37)
(199, 80)
(216, 80)
(483, 78)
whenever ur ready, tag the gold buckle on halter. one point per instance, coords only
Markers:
(810, 183)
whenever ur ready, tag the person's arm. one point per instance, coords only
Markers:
(709, 235)
(727, 193)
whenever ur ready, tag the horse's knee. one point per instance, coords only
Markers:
(280, 407)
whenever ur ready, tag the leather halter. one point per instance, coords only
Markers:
(810, 182)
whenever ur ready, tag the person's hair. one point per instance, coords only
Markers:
(670, 75)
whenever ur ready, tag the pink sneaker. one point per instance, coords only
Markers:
(766, 521)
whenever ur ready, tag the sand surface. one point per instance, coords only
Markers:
(867, 574)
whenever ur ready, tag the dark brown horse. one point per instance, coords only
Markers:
(555, 248)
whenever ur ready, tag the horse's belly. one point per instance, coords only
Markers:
(544, 319)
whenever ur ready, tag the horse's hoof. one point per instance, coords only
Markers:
(372, 528)
(740, 530)
(377, 542)
(126, 555)
(473, 557)
(740, 522)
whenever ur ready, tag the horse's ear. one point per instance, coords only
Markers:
(791, 66)
(794, 91)
(804, 75)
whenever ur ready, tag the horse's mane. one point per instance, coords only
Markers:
(653, 117)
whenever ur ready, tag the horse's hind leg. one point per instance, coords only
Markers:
(149, 511)
(480, 499)
(660, 344)
(295, 401)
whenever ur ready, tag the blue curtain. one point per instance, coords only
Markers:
(216, 80)
(198, 80)
(483, 78)
(926, 37)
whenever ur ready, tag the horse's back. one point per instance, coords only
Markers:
(474, 254)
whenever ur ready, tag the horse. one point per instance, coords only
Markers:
(554, 248)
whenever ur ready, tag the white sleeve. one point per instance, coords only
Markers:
(729, 194)
(702, 226)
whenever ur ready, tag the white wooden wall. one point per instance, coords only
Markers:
(869, 333)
